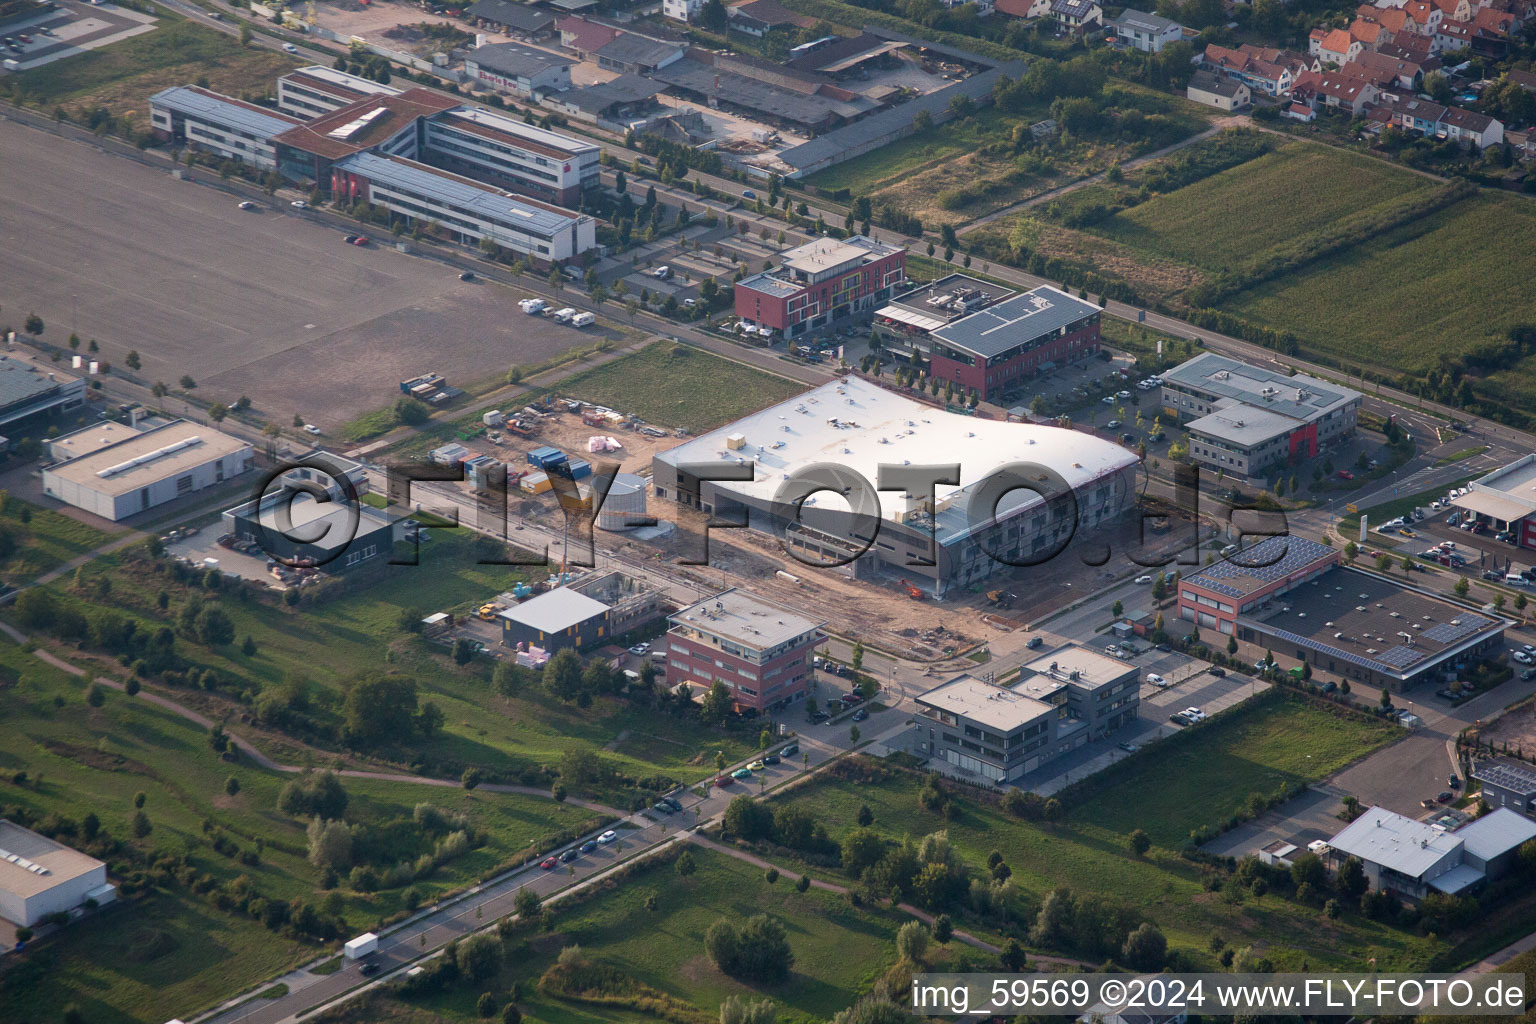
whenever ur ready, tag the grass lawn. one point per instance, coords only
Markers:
(1224, 219)
(1349, 525)
(1398, 302)
(678, 386)
(1176, 787)
(1092, 859)
(175, 951)
(840, 950)
(1458, 456)
(329, 642)
(122, 76)
(45, 539)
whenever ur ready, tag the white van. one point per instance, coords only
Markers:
(1514, 579)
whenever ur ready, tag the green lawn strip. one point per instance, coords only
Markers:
(1090, 859)
(44, 540)
(83, 760)
(1349, 524)
(1465, 453)
(678, 386)
(840, 950)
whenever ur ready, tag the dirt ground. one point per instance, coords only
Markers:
(1517, 728)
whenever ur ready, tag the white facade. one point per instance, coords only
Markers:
(149, 469)
(310, 92)
(39, 877)
(229, 128)
(497, 146)
(681, 10)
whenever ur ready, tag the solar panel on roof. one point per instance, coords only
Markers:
(1402, 656)
(1459, 629)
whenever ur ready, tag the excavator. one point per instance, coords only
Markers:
(912, 590)
(1001, 598)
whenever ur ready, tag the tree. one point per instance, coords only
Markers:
(141, 825)
(330, 844)
(96, 696)
(1351, 880)
(379, 709)
(132, 360)
(1139, 842)
(943, 929)
(187, 383)
(33, 325)
(510, 1014)
(912, 943)
(1462, 587)
(866, 816)
(463, 651)
(1231, 645)
(231, 785)
(1013, 957)
(736, 1010)
(138, 799)
(562, 675)
(1145, 948)
(214, 627)
(717, 704)
(486, 1005)
(1117, 609)
(317, 794)
(478, 958)
(748, 818)
(471, 778)
(685, 865)
(757, 951)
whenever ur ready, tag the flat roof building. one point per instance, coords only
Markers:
(134, 472)
(1507, 784)
(517, 19)
(506, 152)
(1356, 625)
(322, 526)
(226, 127)
(917, 313)
(1412, 859)
(316, 90)
(40, 877)
(858, 426)
(554, 620)
(1000, 734)
(1245, 419)
(1505, 500)
(33, 390)
(620, 101)
(997, 349)
(820, 282)
(758, 650)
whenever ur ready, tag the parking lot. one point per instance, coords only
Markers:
(266, 303)
(71, 29)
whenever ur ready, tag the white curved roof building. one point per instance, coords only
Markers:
(852, 426)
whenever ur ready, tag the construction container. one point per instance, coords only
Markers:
(625, 502)
(546, 457)
(494, 418)
(580, 468)
(449, 455)
(535, 483)
(480, 471)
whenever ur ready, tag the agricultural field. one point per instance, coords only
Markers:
(840, 951)
(40, 540)
(326, 644)
(123, 76)
(678, 386)
(1088, 852)
(168, 947)
(1399, 302)
(1289, 194)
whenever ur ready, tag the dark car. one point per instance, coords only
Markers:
(1446, 797)
(790, 750)
(368, 967)
(1219, 673)
(860, 715)
(672, 802)
(1164, 648)
(468, 275)
(817, 716)
(1033, 642)
(350, 239)
(771, 759)
(569, 855)
(851, 698)
(1454, 782)
(1330, 687)
(589, 846)
(664, 808)
(723, 780)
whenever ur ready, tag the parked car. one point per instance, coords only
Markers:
(817, 716)
(1345, 474)
(747, 193)
(1156, 680)
(790, 750)
(569, 855)
(1219, 673)
(1521, 657)
(851, 698)
(672, 802)
(548, 863)
(640, 649)
(468, 275)
(771, 759)
(1195, 713)
(742, 773)
(1033, 642)
(360, 240)
(1129, 748)
(247, 205)
(1329, 687)
(723, 780)
(310, 428)
(757, 766)
(663, 807)
(1113, 424)
(1454, 782)
(1445, 798)
(299, 204)
(589, 846)
(860, 715)
(1143, 580)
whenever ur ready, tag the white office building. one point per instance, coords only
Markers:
(114, 475)
(227, 127)
(315, 90)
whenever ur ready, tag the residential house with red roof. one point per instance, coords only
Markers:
(1334, 91)
(1268, 71)
(1333, 46)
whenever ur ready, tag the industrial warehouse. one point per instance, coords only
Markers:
(935, 537)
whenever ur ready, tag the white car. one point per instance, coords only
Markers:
(1112, 649)
(608, 837)
(247, 205)
(1143, 580)
(1522, 657)
(299, 204)
(1195, 714)
(1156, 680)
(640, 648)
(310, 428)
(290, 48)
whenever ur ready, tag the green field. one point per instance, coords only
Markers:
(170, 950)
(329, 642)
(1254, 749)
(43, 539)
(840, 950)
(1275, 199)
(1399, 302)
(122, 76)
(1088, 852)
(865, 175)
(678, 386)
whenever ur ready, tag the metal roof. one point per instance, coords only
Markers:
(1298, 396)
(747, 619)
(624, 89)
(523, 17)
(741, 91)
(1154, 23)
(1496, 833)
(461, 193)
(1238, 422)
(1015, 321)
(1513, 777)
(769, 284)
(191, 101)
(1270, 560)
(24, 379)
(1393, 841)
(555, 611)
(843, 142)
(628, 48)
(515, 59)
(144, 457)
(1496, 505)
